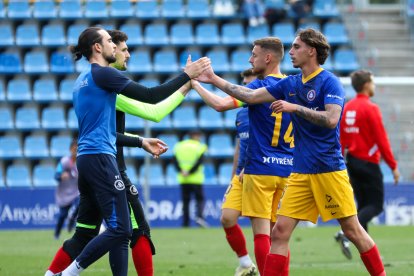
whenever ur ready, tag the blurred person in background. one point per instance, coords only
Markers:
(364, 141)
(67, 193)
(188, 161)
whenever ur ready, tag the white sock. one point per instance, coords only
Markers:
(74, 269)
(49, 273)
(245, 261)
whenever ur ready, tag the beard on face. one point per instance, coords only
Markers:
(110, 59)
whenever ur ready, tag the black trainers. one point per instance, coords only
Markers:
(344, 244)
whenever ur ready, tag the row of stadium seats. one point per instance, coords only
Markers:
(343, 61)
(42, 175)
(36, 146)
(159, 34)
(148, 9)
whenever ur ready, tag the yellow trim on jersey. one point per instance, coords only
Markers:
(280, 76)
(311, 76)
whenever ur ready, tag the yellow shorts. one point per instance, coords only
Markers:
(329, 195)
(261, 195)
(232, 199)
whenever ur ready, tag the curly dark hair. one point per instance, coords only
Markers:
(317, 40)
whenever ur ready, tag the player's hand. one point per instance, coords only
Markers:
(282, 106)
(154, 146)
(194, 69)
(241, 176)
(207, 76)
(64, 176)
(396, 174)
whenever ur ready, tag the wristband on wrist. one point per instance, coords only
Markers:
(140, 140)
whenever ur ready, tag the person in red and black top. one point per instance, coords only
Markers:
(364, 141)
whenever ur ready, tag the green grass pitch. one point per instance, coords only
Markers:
(197, 252)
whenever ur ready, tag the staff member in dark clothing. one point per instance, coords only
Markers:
(364, 141)
(188, 160)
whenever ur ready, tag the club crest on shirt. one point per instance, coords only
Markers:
(133, 190)
(119, 185)
(311, 95)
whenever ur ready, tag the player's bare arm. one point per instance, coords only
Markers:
(239, 92)
(218, 103)
(328, 118)
(185, 88)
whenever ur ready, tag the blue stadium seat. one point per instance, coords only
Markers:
(27, 118)
(2, 10)
(45, 9)
(96, 9)
(122, 9)
(74, 31)
(35, 147)
(140, 62)
(325, 9)
(224, 173)
(137, 153)
(6, 35)
(53, 118)
(6, 119)
(10, 147)
(2, 182)
(310, 24)
(164, 124)
(149, 82)
(208, 118)
(182, 34)
(240, 60)
(207, 34)
(275, 4)
(81, 65)
(230, 118)
(27, 35)
(133, 122)
(184, 117)
(210, 174)
(345, 61)
(147, 9)
(165, 62)
(335, 33)
(328, 64)
(349, 92)
(61, 63)
(195, 54)
(172, 9)
(66, 89)
(2, 90)
(35, 62)
(59, 146)
(71, 9)
(219, 60)
(44, 90)
(233, 34)
(18, 175)
(284, 31)
(287, 67)
(257, 32)
(53, 35)
(72, 119)
(44, 175)
(220, 145)
(19, 10)
(171, 175)
(10, 63)
(170, 140)
(132, 173)
(156, 34)
(198, 9)
(155, 175)
(134, 33)
(18, 90)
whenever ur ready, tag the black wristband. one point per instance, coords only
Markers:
(140, 140)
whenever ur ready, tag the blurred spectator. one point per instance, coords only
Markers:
(188, 160)
(223, 8)
(67, 193)
(301, 8)
(254, 11)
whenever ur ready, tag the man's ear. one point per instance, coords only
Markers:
(97, 47)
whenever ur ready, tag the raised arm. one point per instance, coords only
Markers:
(152, 112)
(218, 103)
(239, 92)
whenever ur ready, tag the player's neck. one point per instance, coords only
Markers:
(273, 70)
(99, 60)
(309, 69)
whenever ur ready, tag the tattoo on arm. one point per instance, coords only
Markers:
(328, 118)
(239, 92)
